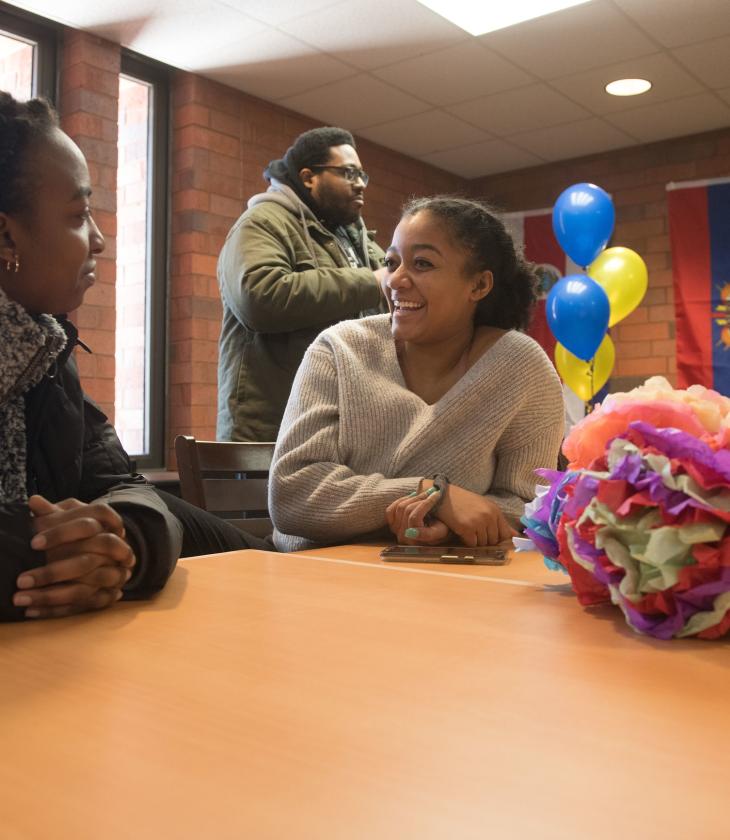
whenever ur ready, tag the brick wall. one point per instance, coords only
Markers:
(88, 106)
(636, 179)
(222, 141)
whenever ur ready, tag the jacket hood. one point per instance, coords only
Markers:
(285, 171)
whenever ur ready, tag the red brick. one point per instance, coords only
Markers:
(667, 348)
(661, 278)
(82, 47)
(190, 200)
(194, 135)
(639, 195)
(226, 123)
(655, 296)
(652, 366)
(642, 332)
(191, 114)
(86, 77)
(662, 313)
(659, 243)
(90, 102)
(98, 151)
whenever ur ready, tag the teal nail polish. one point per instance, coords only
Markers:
(411, 495)
(411, 533)
(432, 490)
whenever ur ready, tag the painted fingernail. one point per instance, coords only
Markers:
(411, 495)
(32, 613)
(38, 542)
(25, 582)
(432, 490)
(22, 600)
(411, 533)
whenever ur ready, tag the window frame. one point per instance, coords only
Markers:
(46, 35)
(158, 237)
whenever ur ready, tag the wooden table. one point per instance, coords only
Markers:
(332, 696)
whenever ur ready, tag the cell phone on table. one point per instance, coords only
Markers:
(485, 555)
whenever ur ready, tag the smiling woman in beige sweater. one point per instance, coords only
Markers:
(429, 422)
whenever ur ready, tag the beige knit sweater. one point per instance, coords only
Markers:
(354, 438)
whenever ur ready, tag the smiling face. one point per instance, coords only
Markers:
(432, 292)
(56, 239)
(339, 201)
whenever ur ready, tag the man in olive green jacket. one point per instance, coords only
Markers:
(298, 260)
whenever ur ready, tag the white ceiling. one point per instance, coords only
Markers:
(398, 74)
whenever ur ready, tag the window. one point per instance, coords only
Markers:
(27, 57)
(141, 261)
(17, 60)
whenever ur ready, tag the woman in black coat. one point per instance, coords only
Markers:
(78, 530)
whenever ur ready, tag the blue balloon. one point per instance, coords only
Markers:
(577, 311)
(583, 219)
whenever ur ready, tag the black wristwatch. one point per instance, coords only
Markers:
(440, 482)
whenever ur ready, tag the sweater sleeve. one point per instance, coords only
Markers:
(312, 493)
(272, 289)
(530, 441)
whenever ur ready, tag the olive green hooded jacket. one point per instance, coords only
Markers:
(284, 278)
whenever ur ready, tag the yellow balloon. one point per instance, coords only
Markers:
(577, 374)
(622, 274)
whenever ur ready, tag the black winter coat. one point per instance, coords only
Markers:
(74, 452)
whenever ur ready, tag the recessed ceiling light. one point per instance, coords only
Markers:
(479, 17)
(628, 87)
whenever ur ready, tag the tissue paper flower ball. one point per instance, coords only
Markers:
(650, 533)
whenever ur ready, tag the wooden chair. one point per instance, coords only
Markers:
(227, 479)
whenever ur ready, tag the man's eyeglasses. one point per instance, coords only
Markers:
(349, 173)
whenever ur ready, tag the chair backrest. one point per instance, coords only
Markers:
(228, 479)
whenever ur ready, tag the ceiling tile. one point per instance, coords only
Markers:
(354, 103)
(185, 30)
(709, 60)
(534, 106)
(676, 118)
(584, 137)
(279, 11)
(172, 31)
(669, 80)
(423, 133)
(463, 71)
(272, 66)
(572, 40)
(373, 33)
(676, 23)
(482, 159)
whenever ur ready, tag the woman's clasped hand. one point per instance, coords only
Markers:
(460, 516)
(88, 560)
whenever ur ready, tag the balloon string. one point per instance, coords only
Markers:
(591, 370)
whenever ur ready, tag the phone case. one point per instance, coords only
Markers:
(456, 555)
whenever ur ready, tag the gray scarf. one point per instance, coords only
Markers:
(30, 347)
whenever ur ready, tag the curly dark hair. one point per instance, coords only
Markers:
(313, 146)
(490, 247)
(21, 125)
